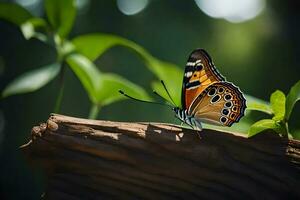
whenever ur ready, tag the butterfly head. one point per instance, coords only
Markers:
(176, 109)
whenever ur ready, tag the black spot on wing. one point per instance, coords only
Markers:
(189, 68)
(216, 98)
(225, 111)
(198, 67)
(221, 90)
(228, 104)
(223, 119)
(192, 84)
(241, 98)
(227, 97)
(212, 92)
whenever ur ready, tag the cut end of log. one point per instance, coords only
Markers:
(95, 159)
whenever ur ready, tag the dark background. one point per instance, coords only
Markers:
(259, 55)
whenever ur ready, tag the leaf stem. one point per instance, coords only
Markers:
(286, 128)
(61, 89)
(94, 111)
(59, 99)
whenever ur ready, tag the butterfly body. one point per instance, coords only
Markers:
(190, 120)
(207, 96)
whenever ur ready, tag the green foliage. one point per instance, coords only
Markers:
(256, 104)
(262, 125)
(14, 13)
(94, 45)
(32, 80)
(102, 88)
(281, 109)
(291, 99)
(33, 28)
(277, 101)
(111, 83)
(172, 76)
(61, 15)
(87, 73)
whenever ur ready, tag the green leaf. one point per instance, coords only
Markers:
(108, 92)
(262, 125)
(241, 127)
(171, 75)
(94, 45)
(296, 134)
(34, 28)
(87, 73)
(291, 99)
(102, 88)
(14, 13)
(277, 100)
(61, 15)
(254, 103)
(30, 25)
(32, 80)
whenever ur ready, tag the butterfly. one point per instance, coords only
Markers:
(206, 95)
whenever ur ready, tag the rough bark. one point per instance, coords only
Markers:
(92, 159)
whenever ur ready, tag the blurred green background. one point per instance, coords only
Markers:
(254, 43)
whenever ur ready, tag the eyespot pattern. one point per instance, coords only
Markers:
(215, 98)
(225, 111)
(231, 99)
(227, 97)
(228, 104)
(229, 112)
(221, 90)
(212, 92)
(199, 66)
(223, 119)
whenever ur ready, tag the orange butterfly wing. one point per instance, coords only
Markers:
(199, 73)
(221, 103)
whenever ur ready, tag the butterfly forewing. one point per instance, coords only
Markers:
(199, 73)
(221, 103)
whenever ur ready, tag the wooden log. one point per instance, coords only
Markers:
(93, 159)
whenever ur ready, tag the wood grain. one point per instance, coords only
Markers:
(93, 159)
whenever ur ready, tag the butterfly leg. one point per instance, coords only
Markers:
(197, 130)
(199, 134)
(197, 126)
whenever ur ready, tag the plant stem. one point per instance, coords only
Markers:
(59, 98)
(94, 111)
(286, 127)
(61, 89)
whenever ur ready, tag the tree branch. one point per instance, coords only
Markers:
(102, 159)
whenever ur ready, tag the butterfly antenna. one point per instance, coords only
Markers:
(163, 98)
(144, 101)
(163, 83)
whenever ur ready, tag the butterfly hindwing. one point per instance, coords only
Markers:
(221, 103)
(199, 73)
